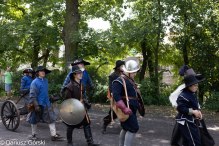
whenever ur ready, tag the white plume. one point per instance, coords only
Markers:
(173, 96)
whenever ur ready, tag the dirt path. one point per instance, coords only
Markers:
(155, 129)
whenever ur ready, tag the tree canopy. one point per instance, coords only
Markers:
(33, 31)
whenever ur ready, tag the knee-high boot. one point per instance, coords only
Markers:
(88, 136)
(69, 136)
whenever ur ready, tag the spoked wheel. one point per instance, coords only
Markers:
(10, 115)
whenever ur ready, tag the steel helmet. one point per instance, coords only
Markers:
(131, 65)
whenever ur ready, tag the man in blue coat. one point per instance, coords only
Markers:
(25, 84)
(39, 97)
(130, 126)
(85, 76)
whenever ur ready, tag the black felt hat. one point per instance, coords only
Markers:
(29, 70)
(42, 68)
(192, 79)
(78, 61)
(75, 69)
(119, 63)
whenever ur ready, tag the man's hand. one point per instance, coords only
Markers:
(61, 92)
(86, 103)
(92, 90)
(36, 106)
(200, 115)
(120, 104)
(197, 113)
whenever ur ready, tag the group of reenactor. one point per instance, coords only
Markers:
(121, 86)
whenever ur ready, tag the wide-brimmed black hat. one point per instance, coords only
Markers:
(29, 70)
(192, 79)
(119, 63)
(78, 61)
(75, 69)
(42, 68)
(185, 71)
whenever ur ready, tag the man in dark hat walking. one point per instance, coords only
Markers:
(118, 69)
(85, 76)
(75, 89)
(39, 97)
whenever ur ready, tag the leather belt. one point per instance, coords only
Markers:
(134, 98)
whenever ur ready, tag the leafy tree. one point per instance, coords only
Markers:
(29, 28)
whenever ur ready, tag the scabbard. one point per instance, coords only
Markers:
(85, 113)
(196, 122)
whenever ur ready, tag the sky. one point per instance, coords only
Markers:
(98, 23)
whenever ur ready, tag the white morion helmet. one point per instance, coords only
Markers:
(131, 65)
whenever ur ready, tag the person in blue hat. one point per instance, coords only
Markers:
(39, 97)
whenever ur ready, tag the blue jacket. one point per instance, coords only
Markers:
(85, 81)
(118, 91)
(187, 99)
(25, 82)
(39, 91)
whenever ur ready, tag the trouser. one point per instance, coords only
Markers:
(87, 134)
(27, 98)
(107, 120)
(126, 138)
(190, 135)
(51, 127)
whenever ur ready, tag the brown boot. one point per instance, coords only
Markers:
(56, 137)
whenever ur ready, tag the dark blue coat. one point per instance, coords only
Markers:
(25, 82)
(39, 91)
(187, 99)
(131, 124)
(118, 91)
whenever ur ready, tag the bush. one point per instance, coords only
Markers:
(149, 95)
(100, 82)
(212, 102)
(16, 83)
(2, 89)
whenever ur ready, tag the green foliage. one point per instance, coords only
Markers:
(28, 28)
(55, 79)
(100, 83)
(149, 95)
(212, 102)
(16, 83)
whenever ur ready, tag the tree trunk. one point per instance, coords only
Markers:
(201, 94)
(185, 54)
(157, 51)
(70, 29)
(36, 49)
(46, 57)
(150, 64)
(145, 59)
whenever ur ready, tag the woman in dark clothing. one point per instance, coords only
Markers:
(75, 89)
(117, 72)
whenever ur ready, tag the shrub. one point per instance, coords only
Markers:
(212, 102)
(100, 82)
